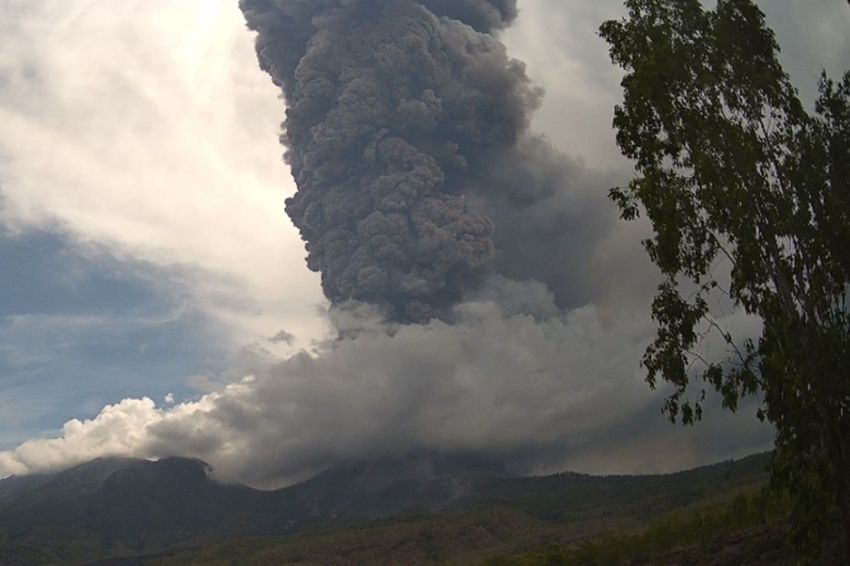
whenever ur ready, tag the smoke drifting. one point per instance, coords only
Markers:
(421, 191)
(539, 395)
(461, 255)
(392, 108)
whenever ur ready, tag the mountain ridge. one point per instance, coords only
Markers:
(113, 507)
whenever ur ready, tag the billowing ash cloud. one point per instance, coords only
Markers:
(483, 301)
(482, 15)
(539, 394)
(550, 216)
(393, 110)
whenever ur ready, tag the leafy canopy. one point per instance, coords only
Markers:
(749, 198)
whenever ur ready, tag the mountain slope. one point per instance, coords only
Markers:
(423, 482)
(114, 507)
(117, 506)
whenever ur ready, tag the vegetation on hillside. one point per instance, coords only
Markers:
(747, 528)
(110, 509)
(527, 520)
(749, 198)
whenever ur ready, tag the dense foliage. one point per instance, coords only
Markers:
(748, 529)
(749, 198)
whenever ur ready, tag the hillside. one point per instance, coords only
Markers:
(114, 507)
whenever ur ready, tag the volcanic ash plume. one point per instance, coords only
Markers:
(392, 107)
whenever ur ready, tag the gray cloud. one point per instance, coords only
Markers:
(540, 392)
(483, 15)
(418, 179)
(550, 218)
(813, 36)
(283, 337)
(536, 356)
(391, 111)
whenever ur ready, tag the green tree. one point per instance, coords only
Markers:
(749, 198)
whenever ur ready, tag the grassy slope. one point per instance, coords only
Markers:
(507, 537)
(745, 529)
(519, 518)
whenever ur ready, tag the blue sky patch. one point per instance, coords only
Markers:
(80, 329)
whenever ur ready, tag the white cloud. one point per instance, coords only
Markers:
(147, 128)
(116, 431)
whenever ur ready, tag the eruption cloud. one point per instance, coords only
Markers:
(483, 299)
(393, 109)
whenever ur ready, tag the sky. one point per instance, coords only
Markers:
(154, 297)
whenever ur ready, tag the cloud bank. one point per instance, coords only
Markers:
(542, 393)
(535, 360)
